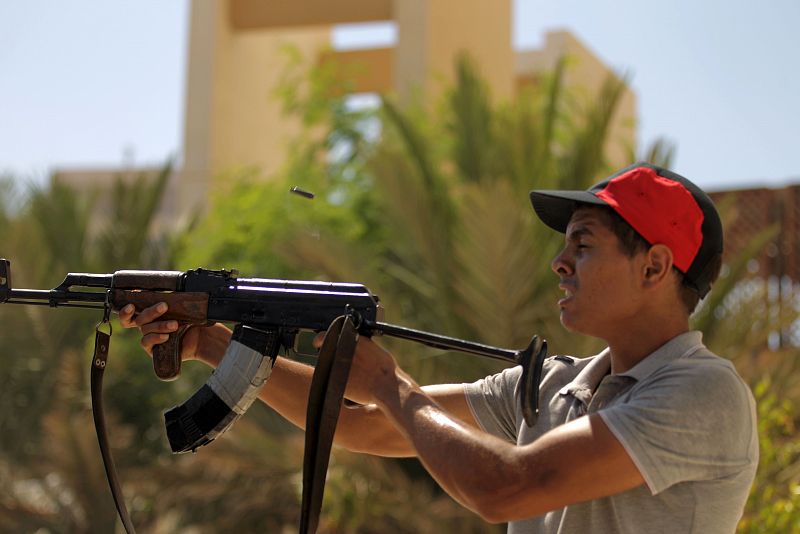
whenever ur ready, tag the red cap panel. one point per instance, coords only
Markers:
(663, 211)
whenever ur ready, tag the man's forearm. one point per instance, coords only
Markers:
(286, 391)
(578, 461)
(445, 445)
(359, 429)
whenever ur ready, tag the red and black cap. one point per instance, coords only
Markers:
(662, 206)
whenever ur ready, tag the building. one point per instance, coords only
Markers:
(237, 56)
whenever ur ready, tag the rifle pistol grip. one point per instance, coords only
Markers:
(189, 309)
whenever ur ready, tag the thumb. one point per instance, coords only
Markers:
(318, 340)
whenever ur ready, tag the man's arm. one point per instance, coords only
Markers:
(578, 461)
(363, 428)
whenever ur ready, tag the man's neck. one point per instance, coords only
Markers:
(637, 343)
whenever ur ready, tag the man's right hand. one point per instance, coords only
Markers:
(204, 343)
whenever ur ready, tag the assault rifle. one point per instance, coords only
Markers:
(267, 314)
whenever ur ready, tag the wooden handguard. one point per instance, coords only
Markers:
(189, 309)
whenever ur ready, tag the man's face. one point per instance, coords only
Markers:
(601, 284)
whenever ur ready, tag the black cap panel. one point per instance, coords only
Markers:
(555, 208)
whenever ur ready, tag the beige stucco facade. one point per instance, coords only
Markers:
(232, 117)
(237, 54)
(585, 75)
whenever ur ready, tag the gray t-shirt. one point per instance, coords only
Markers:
(688, 422)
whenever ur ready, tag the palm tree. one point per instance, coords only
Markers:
(48, 442)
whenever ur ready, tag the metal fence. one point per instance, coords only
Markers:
(776, 266)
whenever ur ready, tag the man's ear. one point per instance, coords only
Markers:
(658, 264)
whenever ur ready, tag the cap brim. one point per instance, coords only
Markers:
(555, 208)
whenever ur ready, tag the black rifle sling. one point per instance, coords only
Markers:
(101, 345)
(324, 402)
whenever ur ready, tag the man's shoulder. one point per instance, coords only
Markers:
(702, 362)
(702, 376)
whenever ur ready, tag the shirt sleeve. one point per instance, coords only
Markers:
(492, 401)
(688, 422)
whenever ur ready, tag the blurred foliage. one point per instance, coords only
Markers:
(50, 467)
(774, 504)
(425, 203)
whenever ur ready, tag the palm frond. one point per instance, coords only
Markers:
(126, 238)
(584, 162)
(470, 123)
(660, 152)
(734, 297)
(59, 219)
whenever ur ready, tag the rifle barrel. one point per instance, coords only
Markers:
(444, 342)
(57, 298)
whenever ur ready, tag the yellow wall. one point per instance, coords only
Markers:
(233, 118)
(432, 33)
(236, 56)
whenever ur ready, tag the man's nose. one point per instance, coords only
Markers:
(561, 264)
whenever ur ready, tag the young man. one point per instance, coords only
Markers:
(654, 434)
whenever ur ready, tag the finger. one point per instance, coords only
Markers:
(318, 340)
(148, 315)
(159, 327)
(150, 340)
(126, 316)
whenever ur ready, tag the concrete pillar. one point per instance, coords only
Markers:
(432, 33)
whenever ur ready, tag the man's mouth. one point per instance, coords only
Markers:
(568, 294)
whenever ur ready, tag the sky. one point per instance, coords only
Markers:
(92, 83)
